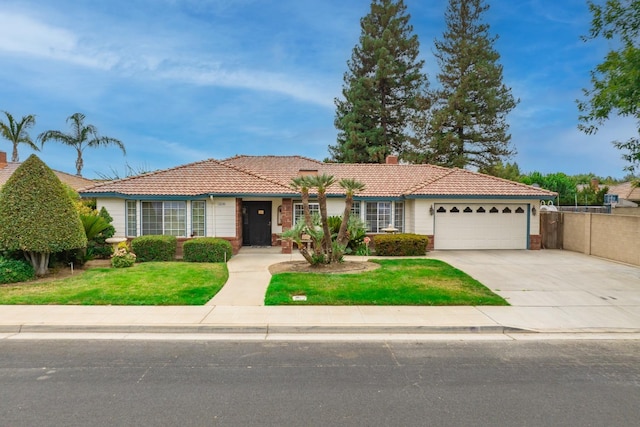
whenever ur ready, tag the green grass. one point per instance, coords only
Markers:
(396, 282)
(149, 283)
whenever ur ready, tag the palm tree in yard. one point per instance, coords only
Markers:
(16, 132)
(351, 186)
(80, 137)
(321, 183)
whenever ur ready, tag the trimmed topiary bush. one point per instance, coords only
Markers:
(13, 271)
(400, 244)
(155, 248)
(206, 249)
(37, 216)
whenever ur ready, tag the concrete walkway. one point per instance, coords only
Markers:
(550, 292)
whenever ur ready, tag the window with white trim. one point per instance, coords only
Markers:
(355, 208)
(132, 218)
(380, 215)
(164, 218)
(298, 211)
(198, 218)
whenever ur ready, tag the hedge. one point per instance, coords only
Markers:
(154, 248)
(13, 271)
(206, 249)
(400, 244)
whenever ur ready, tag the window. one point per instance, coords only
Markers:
(298, 211)
(398, 216)
(168, 218)
(355, 209)
(132, 218)
(198, 218)
(379, 215)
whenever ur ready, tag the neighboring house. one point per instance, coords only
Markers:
(624, 195)
(8, 168)
(248, 201)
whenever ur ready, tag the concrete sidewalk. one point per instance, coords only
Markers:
(550, 291)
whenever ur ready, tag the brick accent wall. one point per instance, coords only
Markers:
(287, 223)
(535, 242)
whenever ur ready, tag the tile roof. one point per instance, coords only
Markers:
(272, 175)
(73, 181)
(626, 191)
(193, 179)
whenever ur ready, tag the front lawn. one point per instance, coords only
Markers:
(396, 282)
(149, 283)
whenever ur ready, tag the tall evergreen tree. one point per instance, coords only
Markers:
(467, 126)
(382, 87)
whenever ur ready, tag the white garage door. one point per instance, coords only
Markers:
(481, 226)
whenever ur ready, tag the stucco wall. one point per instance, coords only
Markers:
(626, 211)
(615, 237)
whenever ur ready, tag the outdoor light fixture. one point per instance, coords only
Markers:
(533, 211)
(431, 210)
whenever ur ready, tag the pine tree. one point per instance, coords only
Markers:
(382, 87)
(467, 126)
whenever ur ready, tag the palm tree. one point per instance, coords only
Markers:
(351, 186)
(81, 137)
(16, 132)
(302, 184)
(321, 183)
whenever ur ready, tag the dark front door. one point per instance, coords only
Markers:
(256, 223)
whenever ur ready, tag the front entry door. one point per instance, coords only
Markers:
(256, 223)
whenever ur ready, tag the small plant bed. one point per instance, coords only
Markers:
(151, 283)
(397, 282)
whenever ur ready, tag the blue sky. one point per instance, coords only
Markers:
(184, 80)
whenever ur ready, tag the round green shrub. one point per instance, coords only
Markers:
(13, 271)
(404, 244)
(206, 249)
(155, 248)
(123, 261)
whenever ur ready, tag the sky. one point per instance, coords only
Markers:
(178, 81)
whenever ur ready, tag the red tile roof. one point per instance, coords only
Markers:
(73, 181)
(200, 178)
(273, 174)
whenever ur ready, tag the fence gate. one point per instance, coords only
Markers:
(551, 229)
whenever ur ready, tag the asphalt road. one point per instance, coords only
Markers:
(178, 383)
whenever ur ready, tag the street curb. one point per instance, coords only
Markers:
(260, 329)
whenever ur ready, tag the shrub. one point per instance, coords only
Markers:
(123, 257)
(155, 248)
(12, 271)
(400, 244)
(37, 216)
(207, 249)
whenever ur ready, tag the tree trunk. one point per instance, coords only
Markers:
(343, 238)
(326, 239)
(39, 261)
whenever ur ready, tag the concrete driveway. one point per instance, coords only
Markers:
(554, 289)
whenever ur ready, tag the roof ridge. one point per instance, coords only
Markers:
(448, 171)
(155, 172)
(252, 173)
(239, 156)
(497, 178)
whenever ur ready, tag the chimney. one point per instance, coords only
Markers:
(3, 159)
(391, 160)
(595, 184)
